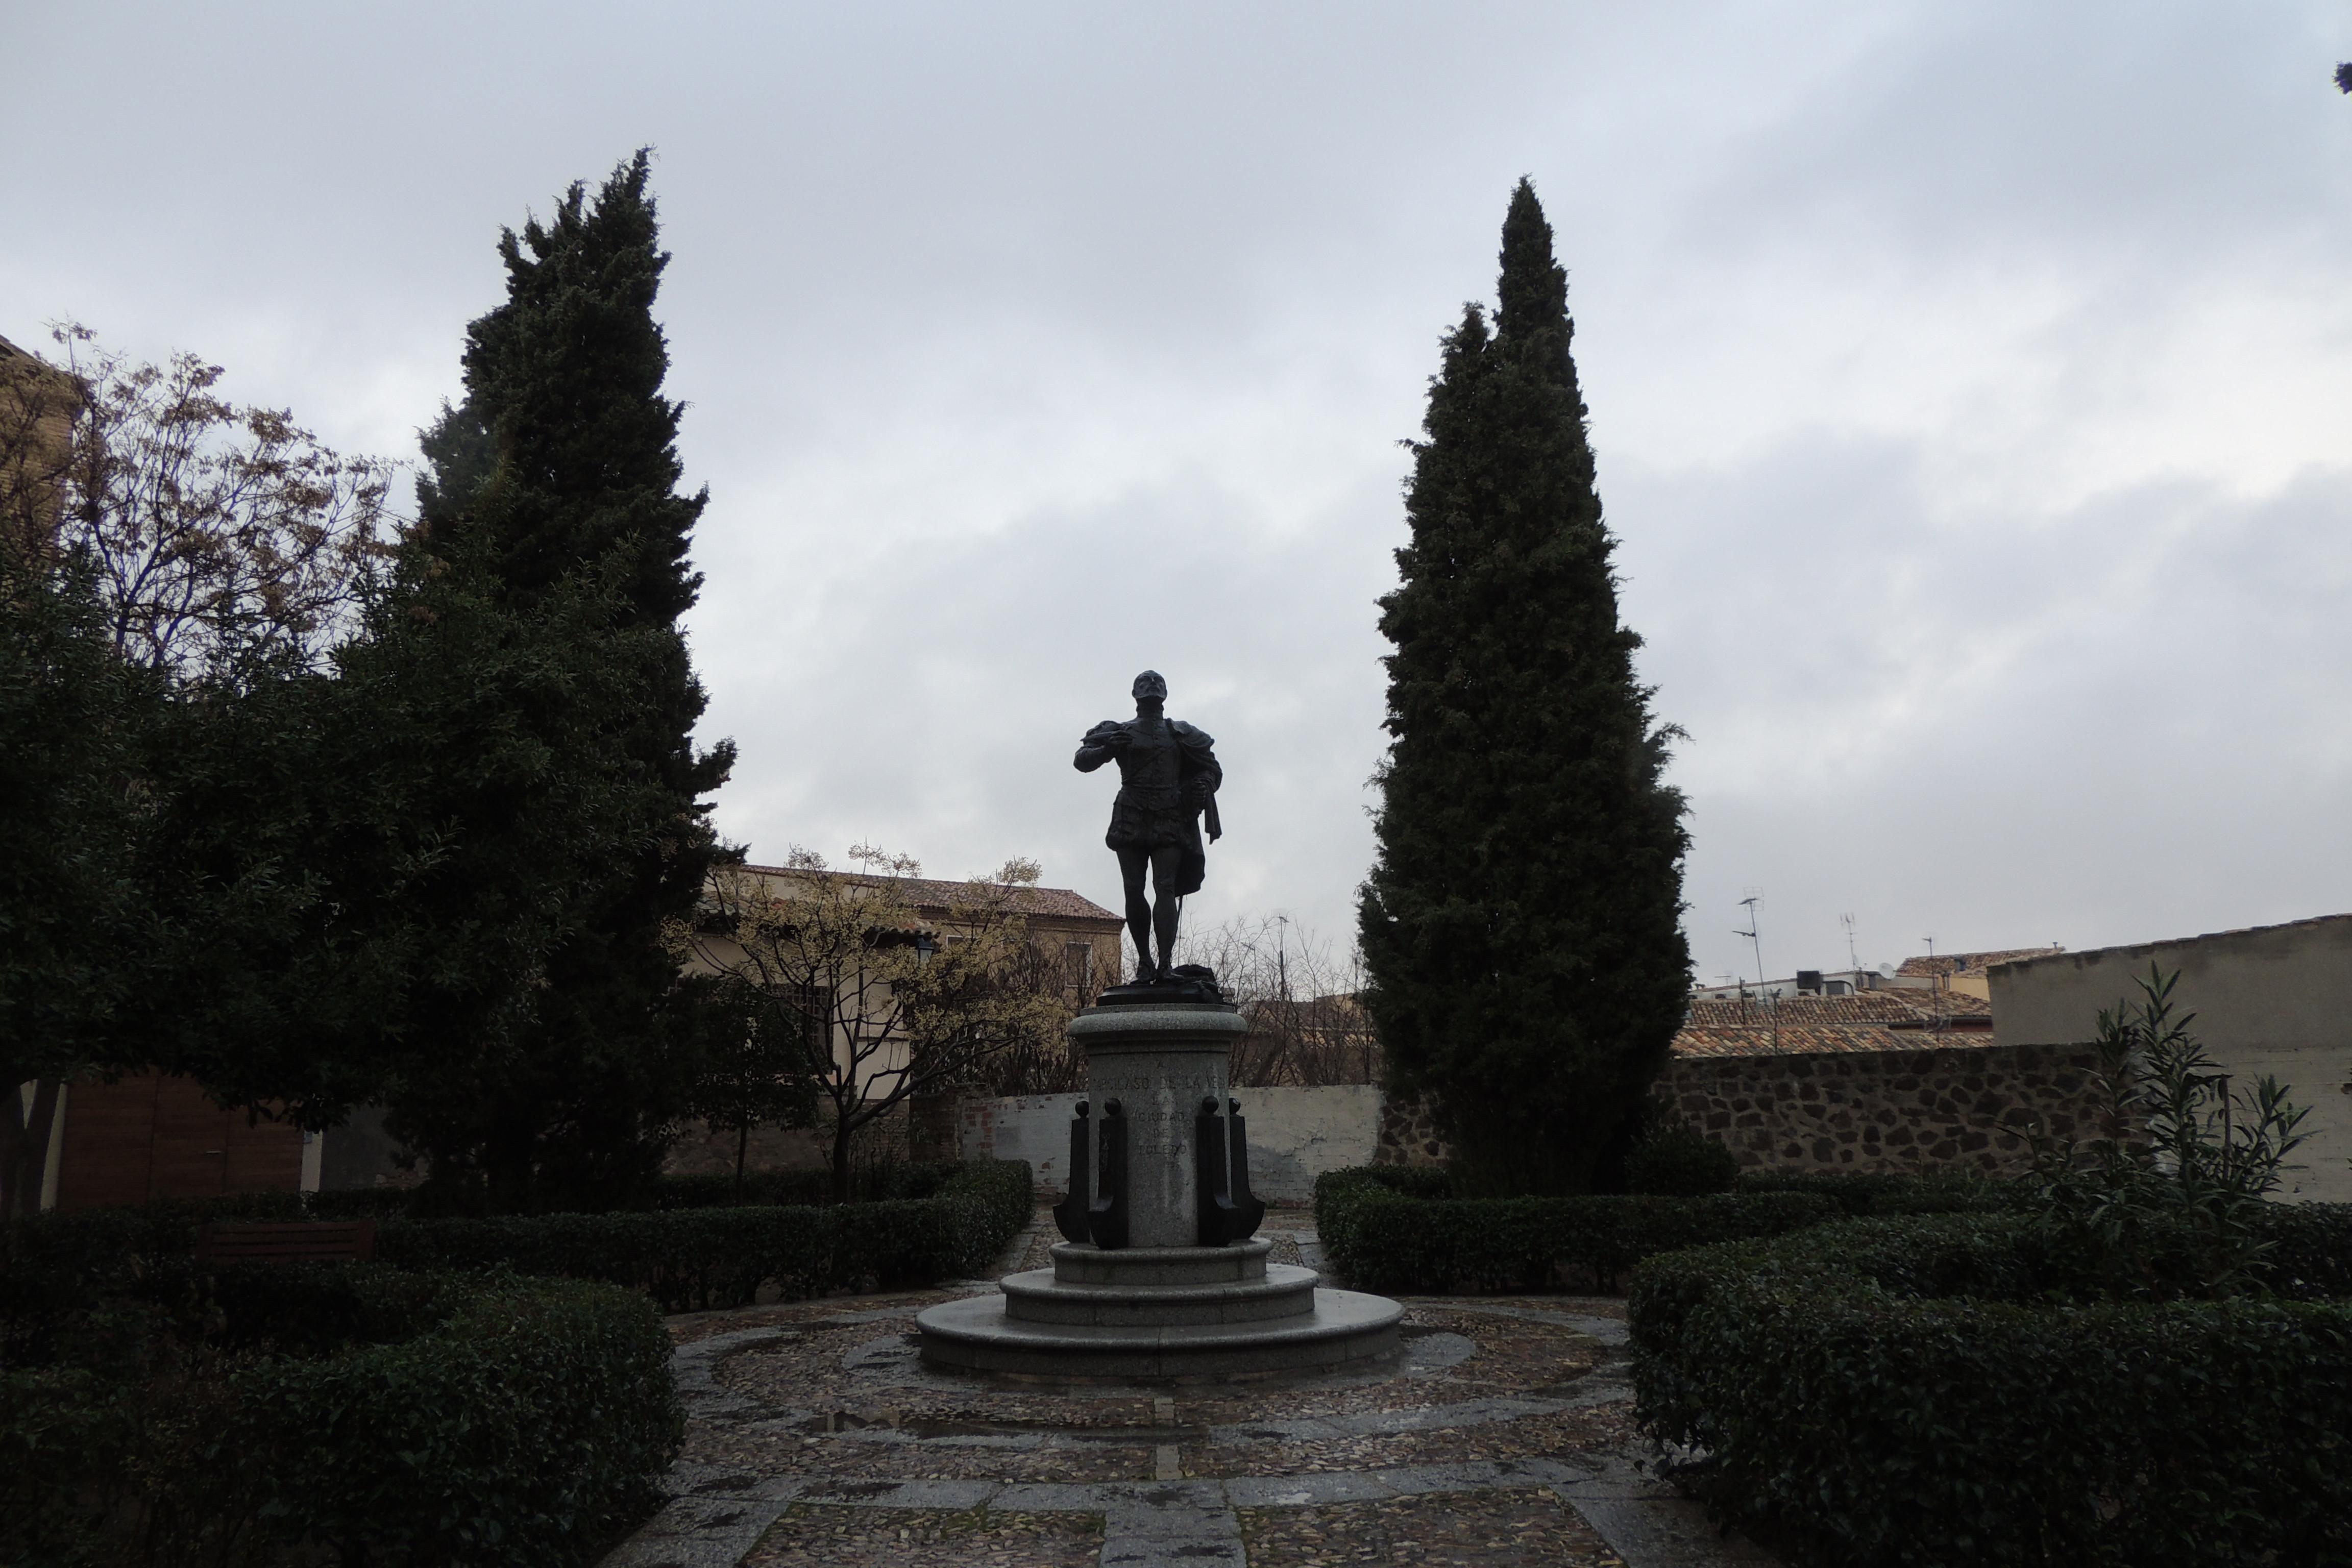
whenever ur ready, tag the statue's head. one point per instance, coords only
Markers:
(1151, 687)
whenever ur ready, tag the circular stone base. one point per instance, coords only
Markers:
(1345, 1329)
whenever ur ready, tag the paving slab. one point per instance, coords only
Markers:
(1651, 1526)
(1171, 1526)
(1495, 1405)
(699, 1532)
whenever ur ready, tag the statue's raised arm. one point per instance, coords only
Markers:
(1099, 745)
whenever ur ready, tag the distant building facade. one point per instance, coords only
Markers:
(1069, 936)
(1963, 971)
(38, 403)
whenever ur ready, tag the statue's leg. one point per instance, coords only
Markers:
(1165, 905)
(1132, 864)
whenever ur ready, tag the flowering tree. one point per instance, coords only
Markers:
(208, 526)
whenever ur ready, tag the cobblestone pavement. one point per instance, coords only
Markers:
(1503, 1437)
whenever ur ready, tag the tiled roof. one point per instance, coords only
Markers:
(1759, 1040)
(929, 893)
(1968, 963)
(1898, 1006)
(1895, 1020)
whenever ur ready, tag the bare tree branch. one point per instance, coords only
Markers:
(1306, 1026)
(898, 1006)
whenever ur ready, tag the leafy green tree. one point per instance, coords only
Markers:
(73, 722)
(1521, 924)
(274, 979)
(754, 1074)
(533, 629)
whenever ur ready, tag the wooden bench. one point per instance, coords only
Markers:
(235, 1242)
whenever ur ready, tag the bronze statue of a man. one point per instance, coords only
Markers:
(1168, 779)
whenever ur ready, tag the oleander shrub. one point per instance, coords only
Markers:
(1381, 1238)
(2175, 1151)
(283, 1412)
(1971, 1388)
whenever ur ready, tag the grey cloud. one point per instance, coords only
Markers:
(986, 313)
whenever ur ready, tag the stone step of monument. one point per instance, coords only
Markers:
(1082, 1263)
(1345, 1329)
(1039, 1297)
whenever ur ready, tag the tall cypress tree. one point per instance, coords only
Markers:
(553, 560)
(1521, 924)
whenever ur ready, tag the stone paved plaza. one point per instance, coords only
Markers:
(1503, 1437)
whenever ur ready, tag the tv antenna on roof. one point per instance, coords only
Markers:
(1755, 896)
(1847, 922)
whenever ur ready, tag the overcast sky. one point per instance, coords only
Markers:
(1970, 386)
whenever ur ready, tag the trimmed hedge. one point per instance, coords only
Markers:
(537, 1417)
(1381, 1234)
(1895, 1193)
(695, 1257)
(707, 1257)
(379, 1416)
(1949, 1389)
(880, 1183)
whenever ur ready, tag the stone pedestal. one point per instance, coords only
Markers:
(1158, 1062)
(1162, 1306)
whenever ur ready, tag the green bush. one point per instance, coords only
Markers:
(707, 1257)
(353, 1410)
(1955, 1388)
(1381, 1239)
(1672, 1161)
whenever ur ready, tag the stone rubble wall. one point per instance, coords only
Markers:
(1937, 1109)
(1940, 1108)
(1408, 1136)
